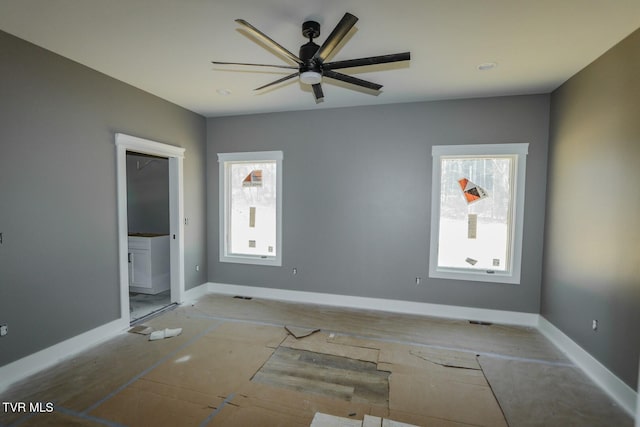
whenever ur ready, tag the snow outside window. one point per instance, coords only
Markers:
(250, 207)
(477, 212)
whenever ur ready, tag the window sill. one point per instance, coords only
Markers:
(255, 260)
(475, 276)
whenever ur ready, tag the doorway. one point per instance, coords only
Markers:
(139, 249)
(148, 231)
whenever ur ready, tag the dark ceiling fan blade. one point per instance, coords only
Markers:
(284, 79)
(371, 60)
(336, 36)
(352, 80)
(254, 65)
(317, 92)
(266, 39)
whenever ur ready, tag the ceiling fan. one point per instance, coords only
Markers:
(311, 66)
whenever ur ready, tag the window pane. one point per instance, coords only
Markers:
(475, 212)
(252, 211)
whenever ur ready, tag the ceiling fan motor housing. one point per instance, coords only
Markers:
(310, 70)
(307, 51)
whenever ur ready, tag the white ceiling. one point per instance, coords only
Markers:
(165, 46)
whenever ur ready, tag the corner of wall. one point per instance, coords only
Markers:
(596, 371)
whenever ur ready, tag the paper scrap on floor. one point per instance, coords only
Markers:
(164, 333)
(327, 420)
(141, 329)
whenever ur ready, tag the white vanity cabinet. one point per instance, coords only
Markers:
(149, 263)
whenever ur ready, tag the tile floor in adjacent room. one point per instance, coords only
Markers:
(142, 305)
(235, 364)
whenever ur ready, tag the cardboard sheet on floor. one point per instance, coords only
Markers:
(310, 404)
(326, 420)
(319, 343)
(228, 351)
(371, 421)
(220, 361)
(268, 336)
(418, 385)
(193, 382)
(451, 381)
(430, 383)
(264, 405)
(439, 398)
(386, 422)
(423, 420)
(80, 381)
(146, 403)
(232, 415)
(434, 362)
(57, 419)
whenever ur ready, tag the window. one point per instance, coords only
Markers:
(251, 207)
(477, 212)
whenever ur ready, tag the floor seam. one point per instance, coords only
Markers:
(149, 369)
(215, 412)
(495, 396)
(88, 417)
(22, 420)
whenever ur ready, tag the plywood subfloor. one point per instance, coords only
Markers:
(203, 376)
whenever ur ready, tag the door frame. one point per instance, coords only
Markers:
(175, 155)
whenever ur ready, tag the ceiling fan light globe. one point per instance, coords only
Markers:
(310, 77)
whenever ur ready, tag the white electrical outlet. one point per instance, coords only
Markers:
(594, 325)
(4, 330)
(418, 280)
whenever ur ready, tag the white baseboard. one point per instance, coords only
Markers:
(22, 368)
(394, 306)
(192, 295)
(624, 395)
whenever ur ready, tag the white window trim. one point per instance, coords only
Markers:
(254, 156)
(512, 275)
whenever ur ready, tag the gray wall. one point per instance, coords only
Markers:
(592, 245)
(357, 191)
(58, 263)
(147, 194)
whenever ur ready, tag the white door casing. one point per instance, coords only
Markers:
(175, 155)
